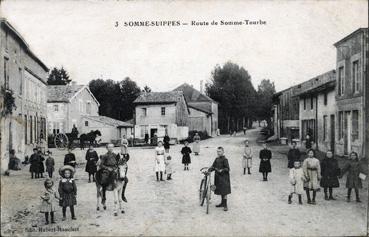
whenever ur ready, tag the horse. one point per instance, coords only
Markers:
(90, 137)
(116, 186)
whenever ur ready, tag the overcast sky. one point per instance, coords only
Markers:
(295, 45)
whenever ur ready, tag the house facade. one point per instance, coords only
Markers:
(317, 109)
(66, 106)
(159, 113)
(203, 114)
(25, 75)
(351, 67)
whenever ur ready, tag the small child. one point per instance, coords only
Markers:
(169, 167)
(67, 191)
(50, 164)
(247, 158)
(297, 180)
(186, 159)
(49, 201)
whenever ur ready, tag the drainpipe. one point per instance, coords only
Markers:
(316, 123)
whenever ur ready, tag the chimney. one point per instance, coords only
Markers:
(201, 87)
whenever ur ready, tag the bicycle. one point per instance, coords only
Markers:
(205, 188)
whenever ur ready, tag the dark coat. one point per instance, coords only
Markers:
(40, 163)
(92, 158)
(353, 170)
(186, 151)
(68, 192)
(222, 181)
(50, 163)
(33, 160)
(68, 158)
(293, 155)
(265, 155)
(330, 172)
(166, 142)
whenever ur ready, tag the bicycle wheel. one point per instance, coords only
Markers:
(201, 192)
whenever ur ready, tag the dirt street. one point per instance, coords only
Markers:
(172, 208)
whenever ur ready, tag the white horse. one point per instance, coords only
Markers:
(116, 187)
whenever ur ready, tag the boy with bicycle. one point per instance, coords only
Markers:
(221, 177)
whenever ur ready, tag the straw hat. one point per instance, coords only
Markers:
(66, 167)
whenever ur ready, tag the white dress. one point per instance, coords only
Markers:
(159, 159)
(297, 180)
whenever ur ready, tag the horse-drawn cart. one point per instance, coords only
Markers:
(71, 140)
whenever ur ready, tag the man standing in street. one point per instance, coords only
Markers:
(293, 155)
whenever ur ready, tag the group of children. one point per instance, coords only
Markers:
(313, 174)
(37, 166)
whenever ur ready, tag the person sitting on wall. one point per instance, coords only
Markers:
(13, 161)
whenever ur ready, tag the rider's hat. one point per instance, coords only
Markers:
(64, 168)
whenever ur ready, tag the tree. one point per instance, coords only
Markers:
(58, 77)
(231, 87)
(115, 98)
(146, 89)
(266, 89)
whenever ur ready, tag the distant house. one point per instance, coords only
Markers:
(352, 66)
(161, 112)
(203, 114)
(317, 111)
(69, 105)
(24, 74)
(112, 130)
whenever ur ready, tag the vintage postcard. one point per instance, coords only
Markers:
(184, 118)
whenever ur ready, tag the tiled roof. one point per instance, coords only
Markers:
(62, 93)
(206, 108)
(191, 94)
(109, 121)
(159, 97)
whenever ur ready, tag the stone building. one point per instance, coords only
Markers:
(161, 112)
(317, 108)
(351, 67)
(24, 74)
(203, 114)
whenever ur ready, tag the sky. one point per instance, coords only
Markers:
(294, 45)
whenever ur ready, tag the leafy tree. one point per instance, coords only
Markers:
(231, 87)
(129, 91)
(58, 77)
(266, 89)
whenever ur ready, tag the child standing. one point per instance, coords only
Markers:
(159, 161)
(312, 173)
(49, 201)
(297, 180)
(186, 159)
(50, 164)
(265, 167)
(169, 167)
(330, 172)
(247, 158)
(353, 180)
(67, 191)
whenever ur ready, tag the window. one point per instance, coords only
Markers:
(56, 108)
(341, 81)
(144, 111)
(311, 102)
(340, 124)
(86, 123)
(355, 76)
(6, 73)
(355, 125)
(20, 81)
(30, 129)
(88, 107)
(162, 110)
(25, 130)
(325, 127)
(325, 98)
(304, 103)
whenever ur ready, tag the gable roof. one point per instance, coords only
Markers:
(200, 107)
(193, 95)
(108, 121)
(360, 30)
(8, 26)
(65, 93)
(159, 97)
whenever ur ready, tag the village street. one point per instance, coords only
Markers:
(172, 208)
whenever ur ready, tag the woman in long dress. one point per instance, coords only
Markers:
(159, 161)
(196, 145)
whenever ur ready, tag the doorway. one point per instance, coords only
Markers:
(333, 133)
(347, 132)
